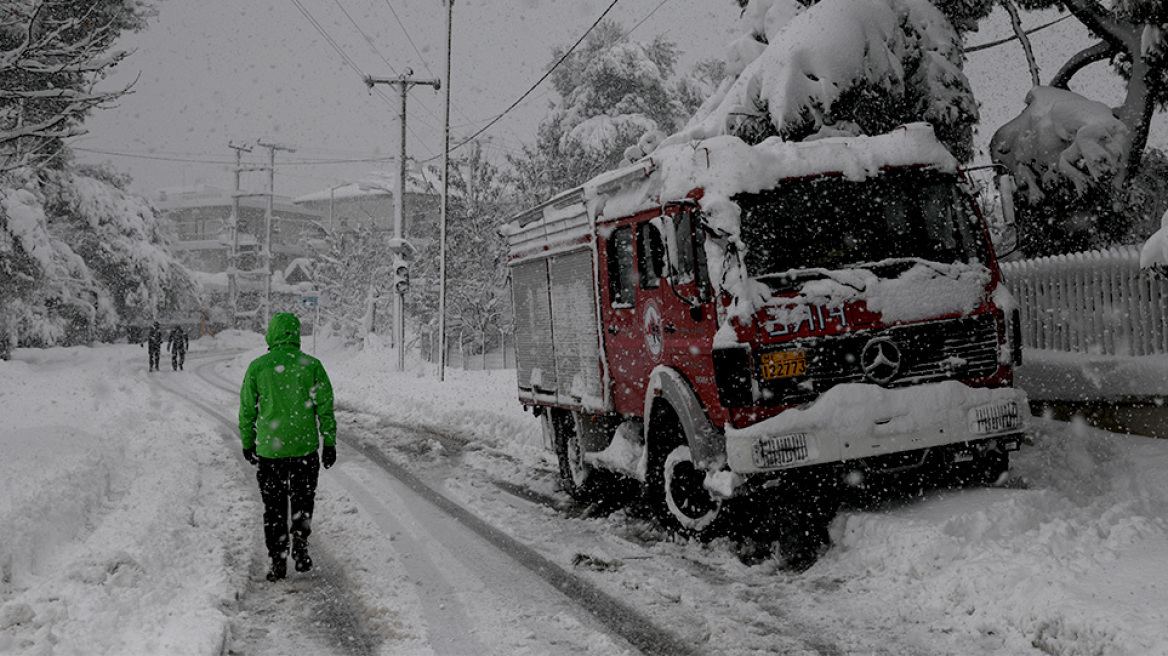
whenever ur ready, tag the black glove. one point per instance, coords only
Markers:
(250, 456)
(328, 457)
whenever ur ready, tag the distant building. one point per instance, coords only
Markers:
(199, 220)
(355, 206)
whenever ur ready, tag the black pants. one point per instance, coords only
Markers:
(287, 482)
(177, 357)
(155, 352)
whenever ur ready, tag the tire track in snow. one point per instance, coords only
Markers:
(619, 618)
(324, 611)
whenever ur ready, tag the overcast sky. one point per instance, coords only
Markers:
(216, 71)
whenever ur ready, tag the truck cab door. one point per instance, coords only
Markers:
(654, 313)
(633, 326)
(685, 296)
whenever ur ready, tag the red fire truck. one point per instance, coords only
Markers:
(722, 321)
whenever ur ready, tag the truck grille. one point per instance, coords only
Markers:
(955, 349)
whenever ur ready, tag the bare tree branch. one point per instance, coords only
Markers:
(48, 77)
(1082, 59)
(1024, 39)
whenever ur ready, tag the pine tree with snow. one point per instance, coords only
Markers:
(841, 67)
(612, 92)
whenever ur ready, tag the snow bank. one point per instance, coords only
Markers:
(122, 511)
(130, 525)
(1072, 564)
(1061, 376)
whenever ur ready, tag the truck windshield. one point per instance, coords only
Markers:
(833, 223)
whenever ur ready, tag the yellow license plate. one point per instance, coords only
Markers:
(783, 364)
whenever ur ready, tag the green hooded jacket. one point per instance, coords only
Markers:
(286, 402)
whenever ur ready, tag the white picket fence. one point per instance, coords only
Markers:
(1098, 302)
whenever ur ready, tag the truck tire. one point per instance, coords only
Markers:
(675, 490)
(688, 501)
(578, 478)
(989, 468)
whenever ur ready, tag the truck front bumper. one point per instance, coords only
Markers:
(855, 421)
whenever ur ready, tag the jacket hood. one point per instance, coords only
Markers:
(284, 330)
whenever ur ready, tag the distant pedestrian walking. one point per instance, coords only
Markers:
(285, 407)
(154, 345)
(177, 344)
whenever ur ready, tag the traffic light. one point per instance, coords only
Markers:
(401, 276)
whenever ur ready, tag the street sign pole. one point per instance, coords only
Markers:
(312, 301)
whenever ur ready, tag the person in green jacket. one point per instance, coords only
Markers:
(285, 408)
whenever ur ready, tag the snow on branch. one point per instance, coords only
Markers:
(49, 67)
(1061, 137)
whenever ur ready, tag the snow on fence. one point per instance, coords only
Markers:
(1097, 302)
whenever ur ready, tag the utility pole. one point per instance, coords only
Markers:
(404, 83)
(445, 203)
(272, 148)
(233, 256)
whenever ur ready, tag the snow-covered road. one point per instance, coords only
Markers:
(132, 527)
(474, 590)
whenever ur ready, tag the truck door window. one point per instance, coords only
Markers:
(650, 255)
(683, 232)
(621, 272)
(691, 254)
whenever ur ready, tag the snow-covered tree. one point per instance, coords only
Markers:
(477, 295)
(612, 92)
(842, 67)
(1079, 157)
(52, 55)
(354, 275)
(79, 256)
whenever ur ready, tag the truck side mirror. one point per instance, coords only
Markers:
(1004, 233)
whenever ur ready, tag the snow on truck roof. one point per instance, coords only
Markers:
(725, 166)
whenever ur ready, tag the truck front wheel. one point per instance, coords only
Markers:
(686, 504)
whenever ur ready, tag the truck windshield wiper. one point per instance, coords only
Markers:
(791, 279)
(894, 266)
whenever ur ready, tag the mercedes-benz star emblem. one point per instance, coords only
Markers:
(881, 359)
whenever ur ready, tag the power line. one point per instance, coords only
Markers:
(365, 36)
(160, 158)
(647, 17)
(324, 33)
(537, 82)
(409, 38)
(192, 160)
(991, 44)
(348, 60)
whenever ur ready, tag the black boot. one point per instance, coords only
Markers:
(278, 570)
(300, 554)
